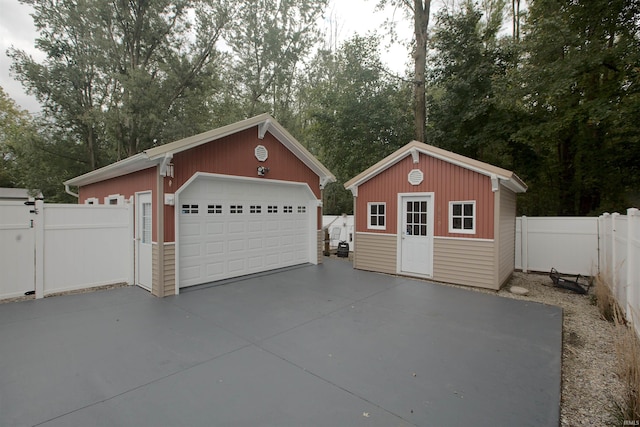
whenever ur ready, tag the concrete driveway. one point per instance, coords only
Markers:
(310, 346)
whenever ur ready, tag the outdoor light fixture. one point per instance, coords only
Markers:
(262, 170)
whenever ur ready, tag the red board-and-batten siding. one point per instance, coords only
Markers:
(231, 155)
(447, 181)
(484, 259)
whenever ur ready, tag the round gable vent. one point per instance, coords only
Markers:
(416, 177)
(261, 153)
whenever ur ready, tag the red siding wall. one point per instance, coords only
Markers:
(232, 155)
(126, 185)
(448, 182)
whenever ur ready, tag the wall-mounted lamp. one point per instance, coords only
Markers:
(262, 170)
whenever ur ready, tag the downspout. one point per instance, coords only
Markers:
(68, 191)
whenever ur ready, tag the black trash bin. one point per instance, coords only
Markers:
(343, 249)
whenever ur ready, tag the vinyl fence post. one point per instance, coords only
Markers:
(131, 241)
(524, 230)
(632, 255)
(39, 248)
(614, 268)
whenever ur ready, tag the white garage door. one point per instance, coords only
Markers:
(231, 227)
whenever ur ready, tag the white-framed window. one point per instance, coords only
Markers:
(235, 209)
(287, 209)
(114, 199)
(302, 209)
(377, 215)
(189, 209)
(92, 201)
(462, 217)
(272, 208)
(255, 209)
(214, 209)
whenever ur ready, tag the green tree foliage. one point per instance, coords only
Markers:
(464, 114)
(579, 86)
(31, 155)
(419, 11)
(120, 75)
(360, 117)
(269, 42)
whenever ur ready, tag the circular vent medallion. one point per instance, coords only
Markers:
(261, 153)
(416, 177)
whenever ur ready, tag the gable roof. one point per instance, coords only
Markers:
(506, 177)
(157, 155)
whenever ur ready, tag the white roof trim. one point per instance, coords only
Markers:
(155, 156)
(508, 178)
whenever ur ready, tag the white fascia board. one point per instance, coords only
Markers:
(131, 164)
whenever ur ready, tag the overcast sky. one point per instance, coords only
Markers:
(352, 17)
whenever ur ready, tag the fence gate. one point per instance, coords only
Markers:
(17, 249)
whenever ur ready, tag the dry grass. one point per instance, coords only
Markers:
(604, 298)
(627, 348)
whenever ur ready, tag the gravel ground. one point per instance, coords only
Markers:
(589, 383)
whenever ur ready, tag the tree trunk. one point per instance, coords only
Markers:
(421, 25)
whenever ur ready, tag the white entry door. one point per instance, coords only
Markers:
(416, 235)
(143, 240)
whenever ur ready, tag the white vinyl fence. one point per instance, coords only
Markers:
(608, 245)
(568, 244)
(620, 260)
(50, 248)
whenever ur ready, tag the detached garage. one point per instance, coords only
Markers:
(237, 200)
(427, 212)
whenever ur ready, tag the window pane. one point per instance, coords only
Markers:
(374, 209)
(374, 220)
(423, 206)
(416, 218)
(381, 209)
(416, 206)
(416, 230)
(457, 209)
(468, 223)
(409, 216)
(468, 209)
(423, 218)
(409, 207)
(381, 221)
(457, 223)
(423, 230)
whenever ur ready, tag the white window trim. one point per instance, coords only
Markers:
(119, 198)
(376, 227)
(475, 219)
(92, 201)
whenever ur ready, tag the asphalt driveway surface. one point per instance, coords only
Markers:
(310, 346)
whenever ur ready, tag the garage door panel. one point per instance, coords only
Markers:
(190, 250)
(215, 228)
(237, 266)
(255, 243)
(215, 248)
(237, 227)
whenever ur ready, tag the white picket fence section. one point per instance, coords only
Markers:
(50, 248)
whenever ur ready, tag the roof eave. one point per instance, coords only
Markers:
(131, 164)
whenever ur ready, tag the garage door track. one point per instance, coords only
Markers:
(308, 346)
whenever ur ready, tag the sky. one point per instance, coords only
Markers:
(349, 17)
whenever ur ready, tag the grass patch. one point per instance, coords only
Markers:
(627, 348)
